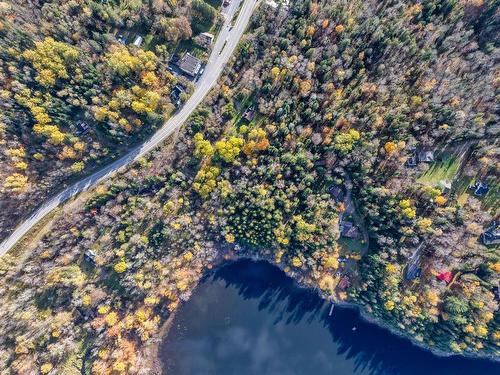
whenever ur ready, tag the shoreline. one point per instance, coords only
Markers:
(155, 363)
(367, 317)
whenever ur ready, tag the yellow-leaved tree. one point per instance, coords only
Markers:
(51, 60)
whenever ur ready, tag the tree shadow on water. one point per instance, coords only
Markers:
(372, 349)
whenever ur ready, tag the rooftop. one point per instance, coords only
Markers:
(491, 236)
(480, 188)
(349, 230)
(190, 64)
(425, 156)
(138, 41)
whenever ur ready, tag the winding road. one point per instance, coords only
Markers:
(225, 45)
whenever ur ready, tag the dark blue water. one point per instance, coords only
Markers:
(249, 318)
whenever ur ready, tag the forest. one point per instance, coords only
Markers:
(352, 144)
(76, 91)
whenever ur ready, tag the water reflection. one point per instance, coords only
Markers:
(250, 318)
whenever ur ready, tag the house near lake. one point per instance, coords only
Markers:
(491, 236)
(249, 114)
(337, 193)
(422, 156)
(425, 156)
(479, 188)
(349, 230)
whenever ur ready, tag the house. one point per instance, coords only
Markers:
(205, 39)
(446, 276)
(138, 41)
(425, 156)
(190, 64)
(121, 39)
(344, 283)
(413, 271)
(445, 186)
(175, 95)
(422, 156)
(412, 161)
(337, 193)
(83, 126)
(90, 256)
(349, 230)
(492, 234)
(249, 114)
(479, 188)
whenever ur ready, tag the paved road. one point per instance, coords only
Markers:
(224, 47)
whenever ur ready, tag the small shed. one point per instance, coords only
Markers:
(121, 39)
(445, 185)
(138, 41)
(83, 126)
(190, 64)
(446, 276)
(272, 4)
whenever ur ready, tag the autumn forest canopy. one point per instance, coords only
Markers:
(354, 144)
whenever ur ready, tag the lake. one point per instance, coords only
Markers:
(249, 318)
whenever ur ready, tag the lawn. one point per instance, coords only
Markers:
(444, 169)
(350, 245)
(490, 201)
(461, 189)
(191, 47)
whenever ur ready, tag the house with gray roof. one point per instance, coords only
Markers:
(190, 64)
(492, 234)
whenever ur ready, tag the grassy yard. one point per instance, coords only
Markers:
(444, 169)
(191, 47)
(490, 201)
(461, 189)
(350, 245)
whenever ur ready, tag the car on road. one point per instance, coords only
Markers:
(226, 3)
